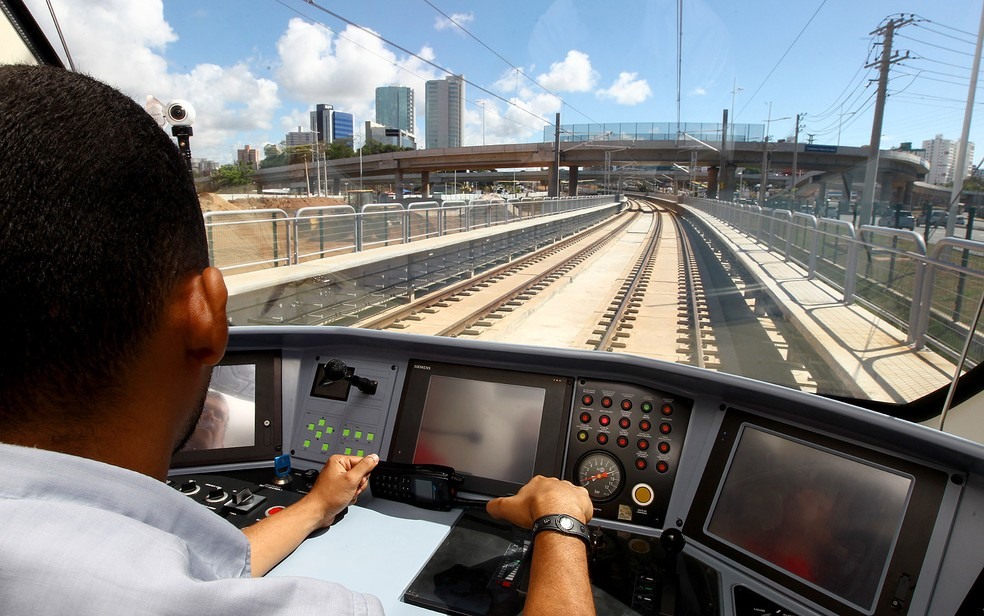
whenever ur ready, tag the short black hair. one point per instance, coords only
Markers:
(99, 220)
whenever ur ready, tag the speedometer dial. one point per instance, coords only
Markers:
(600, 474)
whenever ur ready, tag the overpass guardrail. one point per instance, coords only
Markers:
(242, 241)
(931, 293)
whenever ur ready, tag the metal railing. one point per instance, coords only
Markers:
(248, 240)
(930, 295)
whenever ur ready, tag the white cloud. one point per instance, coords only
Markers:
(627, 90)
(231, 103)
(572, 74)
(699, 91)
(344, 69)
(443, 23)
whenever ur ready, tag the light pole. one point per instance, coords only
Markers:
(763, 186)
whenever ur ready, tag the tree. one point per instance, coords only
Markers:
(273, 156)
(232, 175)
(340, 148)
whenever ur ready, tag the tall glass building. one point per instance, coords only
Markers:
(444, 110)
(394, 108)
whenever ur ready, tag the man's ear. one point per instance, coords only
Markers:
(208, 328)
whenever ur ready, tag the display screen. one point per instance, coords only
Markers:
(481, 427)
(241, 414)
(229, 411)
(830, 520)
(496, 428)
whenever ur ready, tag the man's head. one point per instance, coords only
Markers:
(99, 224)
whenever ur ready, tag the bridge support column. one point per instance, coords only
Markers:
(425, 189)
(728, 192)
(336, 186)
(907, 194)
(553, 190)
(398, 185)
(572, 180)
(884, 191)
(712, 182)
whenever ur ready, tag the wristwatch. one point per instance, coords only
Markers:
(563, 524)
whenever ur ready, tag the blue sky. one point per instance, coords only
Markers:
(253, 69)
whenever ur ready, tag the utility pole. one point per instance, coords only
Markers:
(556, 169)
(885, 64)
(796, 139)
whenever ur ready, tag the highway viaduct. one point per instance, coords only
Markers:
(897, 171)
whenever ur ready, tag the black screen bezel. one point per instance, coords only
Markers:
(917, 523)
(551, 438)
(267, 421)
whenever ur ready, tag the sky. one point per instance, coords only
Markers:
(253, 69)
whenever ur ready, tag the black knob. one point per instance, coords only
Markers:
(188, 487)
(310, 474)
(672, 541)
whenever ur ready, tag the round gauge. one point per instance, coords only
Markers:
(600, 473)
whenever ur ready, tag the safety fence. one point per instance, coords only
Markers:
(931, 294)
(248, 240)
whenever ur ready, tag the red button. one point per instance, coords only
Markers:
(624, 423)
(585, 417)
(604, 420)
(587, 400)
(662, 467)
(602, 438)
(640, 464)
(665, 428)
(645, 426)
(273, 510)
(667, 409)
(643, 444)
(663, 447)
(622, 441)
(606, 402)
(626, 405)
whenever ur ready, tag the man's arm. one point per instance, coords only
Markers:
(341, 481)
(559, 582)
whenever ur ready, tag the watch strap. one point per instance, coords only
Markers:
(564, 524)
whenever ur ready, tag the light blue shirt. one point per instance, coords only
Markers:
(83, 537)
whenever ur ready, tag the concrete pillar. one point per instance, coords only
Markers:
(572, 180)
(728, 192)
(336, 186)
(712, 182)
(425, 189)
(398, 185)
(884, 191)
(907, 194)
(553, 190)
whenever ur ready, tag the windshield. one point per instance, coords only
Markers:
(781, 194)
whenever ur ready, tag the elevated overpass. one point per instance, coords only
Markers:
(897, 170)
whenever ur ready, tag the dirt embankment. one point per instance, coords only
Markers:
(212, 202)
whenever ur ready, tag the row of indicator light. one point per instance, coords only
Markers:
(321, 428)
(625, 423)
(626, 404)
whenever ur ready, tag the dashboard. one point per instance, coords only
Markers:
(712, 494)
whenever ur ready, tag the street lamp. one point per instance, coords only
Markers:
(763, 186)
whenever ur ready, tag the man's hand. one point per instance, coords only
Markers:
(340, 483)
(542, 496)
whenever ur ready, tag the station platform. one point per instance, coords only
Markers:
(868, 353)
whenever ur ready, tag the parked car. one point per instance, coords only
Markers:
(905, 220)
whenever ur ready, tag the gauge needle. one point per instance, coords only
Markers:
(601, 475)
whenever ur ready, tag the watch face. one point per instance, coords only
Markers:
(566, 523)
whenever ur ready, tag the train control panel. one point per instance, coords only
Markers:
(712, 494)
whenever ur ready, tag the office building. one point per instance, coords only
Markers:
(941, 154)
(301, 137)
(331, 125)
(394, 108)
(390, 136)
(444, 110)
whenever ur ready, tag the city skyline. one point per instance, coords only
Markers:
(254, 72)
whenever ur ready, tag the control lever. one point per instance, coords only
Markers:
(672, 541)
(336, 370)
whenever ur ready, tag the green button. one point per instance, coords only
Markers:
(311, 426)
(358, 434)
(647, 406)
(321, 422)
(361, 452)
(370, 437)
(346, 432)
(317, 434)
(307, 443)
(324, 447)
(330, 430)
(348, 451)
